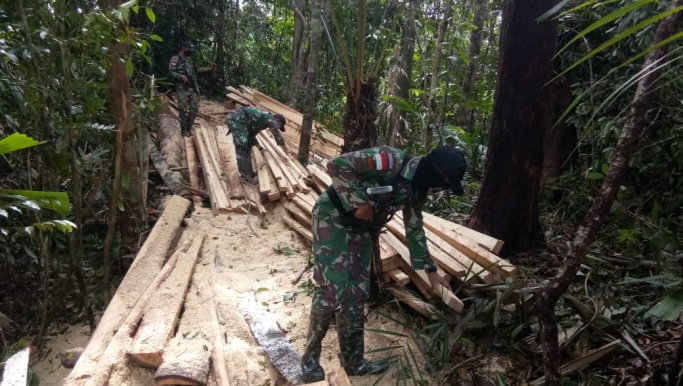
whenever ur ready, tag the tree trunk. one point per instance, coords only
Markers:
(402, 76)
(132, 218)
(428, 132)
(560, 138)
(311, 82)
(635, 123)
(515, 154)
(300, 31)
(359, 120)
(470, 79)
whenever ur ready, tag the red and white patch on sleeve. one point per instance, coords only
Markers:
(381, 161)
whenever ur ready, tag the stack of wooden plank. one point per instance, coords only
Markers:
(461, 254)
(324, 144)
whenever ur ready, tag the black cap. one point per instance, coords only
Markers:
(189, 44)
(282, 119)
(451, 164)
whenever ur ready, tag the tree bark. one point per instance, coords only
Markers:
(359, 120)
(428, 132)
(311, 82)
(300, 31)
(515, 153)
(131, 221)
(470, 79)
(402, 76)
(633, 128)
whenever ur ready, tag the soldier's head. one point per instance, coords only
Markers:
(187, 48)
(281, 121)
(442, 169)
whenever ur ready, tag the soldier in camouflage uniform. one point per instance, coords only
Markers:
(345, 219)
(183, 75)
(244, 123)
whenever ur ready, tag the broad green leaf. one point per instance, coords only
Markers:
(129, 67)
(604, 20)
(605, 169)
(125, 180)
(668, 308)
(402, 105)
(150, 15)
(156, 38)
(595, 176)
(136, 9)
(654, 47)
(16, 142)
(620, 37)
(56, 201)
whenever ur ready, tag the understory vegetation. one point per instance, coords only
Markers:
(74, 156)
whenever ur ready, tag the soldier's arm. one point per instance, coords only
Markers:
(172, 67)
(417, 240)
(346, 181)
(276, 133)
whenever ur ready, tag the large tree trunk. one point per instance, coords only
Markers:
(132, 219)
(300, 31)
(428, 132)
(402, 76)
(507, 207)
(470, 79)
(633, 127)
(360, 131)
(311, 82)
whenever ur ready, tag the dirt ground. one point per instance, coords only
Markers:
(238, 258)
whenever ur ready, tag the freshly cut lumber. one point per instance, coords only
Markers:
(399, 277)
(295, 176)
(338, 377)
(319, 174)
(272, 164)
(491, 243)
(261, 170)
(238, 99)
(171, 153)
(141, 274)
(192, 168)
(471, 268)
(274, 189)
(265, 329)
(16, 369)
(253, 197)
(226, 148)
(190, 365)
(390, 258)
(426, 309)
(294, 183)
(160, 315)
(297, 227)
(214, 186)
(419, 278)
(299, 214)
(218, 361)
(115, 352)
(449, 298)
(480, 255)
(305, 201)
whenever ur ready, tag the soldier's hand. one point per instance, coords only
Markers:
(435, 279)
(365, 212)
(184, 78)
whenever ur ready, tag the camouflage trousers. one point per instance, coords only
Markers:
(243, 143)
(244, 164)
(342, 258)
(188, 104)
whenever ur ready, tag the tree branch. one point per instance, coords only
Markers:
(299, 15)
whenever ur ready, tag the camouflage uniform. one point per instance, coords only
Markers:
(188, 98)
(244, 123)
(342, 247)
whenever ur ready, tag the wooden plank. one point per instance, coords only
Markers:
(281, 164)
(190, 365)
(297, 227)
(16, 369)
(226, 149)
(141, 274)
(214, 186)
(192, 169)
(160, 315)
(480, 255)
(299, 214)
(286, 163)
(238, 99)
(274, 167)
(338, 377)
(253, 197)
(419, 277)
(391, 259)
(424, 308)
(398, 276)
(218, 361)
(265, 329)
(274, 190)
(261, 169)
(491, 243)
(322, 176)
(306, 202)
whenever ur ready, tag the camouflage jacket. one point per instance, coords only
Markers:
(179, 66)
(255, 120)
(353, 173)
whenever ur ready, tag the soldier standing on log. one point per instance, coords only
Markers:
(183, 75)
(244, 124)
(368, 187)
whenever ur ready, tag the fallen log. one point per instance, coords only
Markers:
(189, 364)
(141, 274)
(273, 341)
(160, 316)
(16, 369)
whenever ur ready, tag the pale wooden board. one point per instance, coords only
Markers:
(227, 154)
(398, 276)
(192, 168)
(262, 171)
(424, 308)
(301, 216)
(488, 242)
(300, 229)
(16, 369)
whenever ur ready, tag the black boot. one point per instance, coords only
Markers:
(350, 327)
(311, 371)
